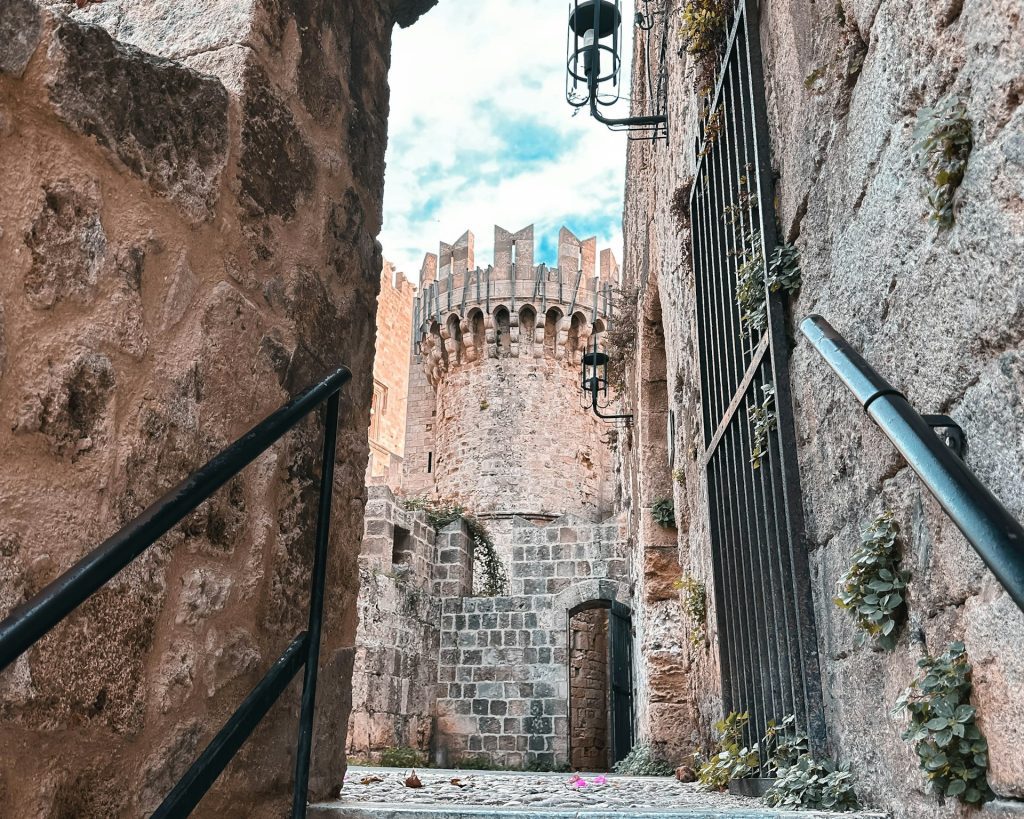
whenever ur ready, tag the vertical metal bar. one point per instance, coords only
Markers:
(488, 291)
(316, 609)
(775, 536)
(785, 438)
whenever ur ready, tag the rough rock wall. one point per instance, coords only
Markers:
(589, 691)
(938, 313)
(395, 669)
(503, 678)
(183, 245)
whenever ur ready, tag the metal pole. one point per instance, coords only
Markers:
(989, 527)
(316, 609)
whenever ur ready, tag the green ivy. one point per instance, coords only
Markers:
(440, 513)
(664, 513)
(732, 760)
(942, 145)
(951, 749)
(801, 781)
(874, 588)
(753, 283)
(703, 25)
(641, 761)
(695, 606)
(813, 784)
(763, 421)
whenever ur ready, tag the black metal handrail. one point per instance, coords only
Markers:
(29, 622)
(994, 533)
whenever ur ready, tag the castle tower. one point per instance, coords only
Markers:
(495, 415)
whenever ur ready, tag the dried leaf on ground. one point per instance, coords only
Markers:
(369, 780)
(413, 781)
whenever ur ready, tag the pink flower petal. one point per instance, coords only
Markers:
(600, 780)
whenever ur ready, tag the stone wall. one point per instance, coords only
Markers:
(184, 244)
(395, 667)
(390, 378)
(503, 678)
(589, 691)
(939, 313)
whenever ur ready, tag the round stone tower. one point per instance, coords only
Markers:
(496, 418)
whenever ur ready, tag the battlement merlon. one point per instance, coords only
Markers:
(576, 285)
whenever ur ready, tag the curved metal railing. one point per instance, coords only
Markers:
(995, 534)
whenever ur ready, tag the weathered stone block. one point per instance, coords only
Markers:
(167, 124)
(21, 27)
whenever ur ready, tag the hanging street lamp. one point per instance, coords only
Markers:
(594, 43)
(594, 382)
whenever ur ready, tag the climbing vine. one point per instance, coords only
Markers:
(442, 512)
(943, 142)
(873, 588)
(752, 286)
(703, 26)
(949, 745)
(695, 607)
(763, 419)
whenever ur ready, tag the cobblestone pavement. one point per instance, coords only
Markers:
(381, 792)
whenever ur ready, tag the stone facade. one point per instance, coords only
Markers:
(939, 313)
(397, 641)
(457, 676)
(390, 378)
(184, 244)
(503, 676)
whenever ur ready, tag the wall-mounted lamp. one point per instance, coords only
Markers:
(594, 33)
(594, 383)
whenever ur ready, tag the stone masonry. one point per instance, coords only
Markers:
(390, 378)
(938, 313)
(191, 193)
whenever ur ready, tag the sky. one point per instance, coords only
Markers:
(480, 134)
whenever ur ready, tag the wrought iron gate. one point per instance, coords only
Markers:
(620, 664)
(767, 642)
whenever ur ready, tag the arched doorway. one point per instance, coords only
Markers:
(600, 684)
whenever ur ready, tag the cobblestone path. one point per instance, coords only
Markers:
(381, 793)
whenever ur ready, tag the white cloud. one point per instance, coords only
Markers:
(480, 133)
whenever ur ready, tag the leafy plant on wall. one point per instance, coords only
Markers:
(695, 606)
(753, 282)
(703, 26)
(620, 338)
(942, 145)
(664, 513)
(949, 745)
(763, 421)
(873, 590)
(440, 513)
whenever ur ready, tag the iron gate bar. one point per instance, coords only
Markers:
(768, 644)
